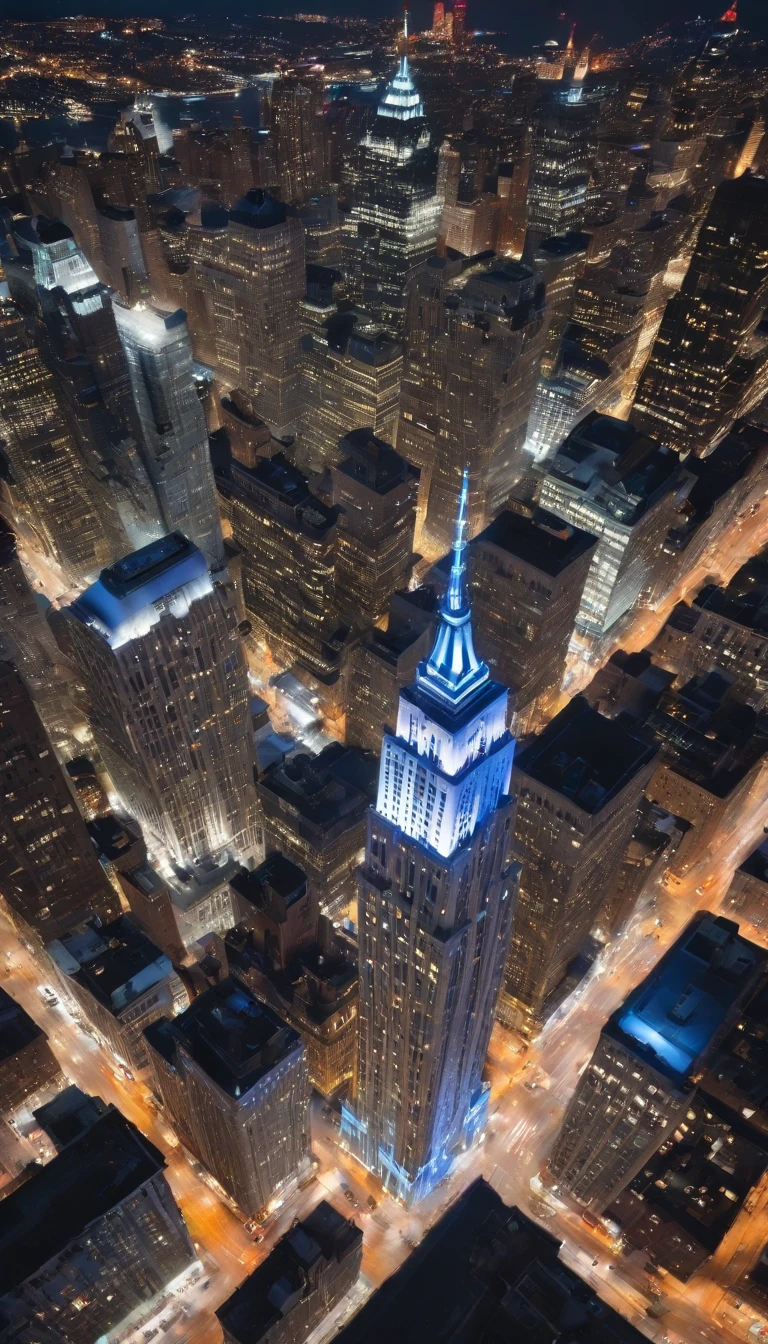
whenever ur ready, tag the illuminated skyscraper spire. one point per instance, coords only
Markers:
(731, 15)
(453, 671)
(401, 100)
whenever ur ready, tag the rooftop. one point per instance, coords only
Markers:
(121, 603)
(373, 462)
(69, 1115)
(108, 1163)
(115, 962)
(276, 874)
(673, 1018)
(544, 542)
(584, 756)
(745, 599)
(329, 790)
(229, 1034)
(17, 1028)
(279, 1282)
(612, 462)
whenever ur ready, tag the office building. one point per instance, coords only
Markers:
(375, 490)
(624, 488)
(119, 980)
(385, 661)
(351, 370)
(174, 437)
(54, 490)
(560, 261)
(706, 367)
(314, 809)
(526, 580)
(307, 1274)
(27, 1063)
(287, 537)
(122, 262)
(641, 1079)
(578, 786)
(156, 642)
(25, 638)
(747, 897)
(435, 903)
(49, 874)
(105, 1189)
(562, 155)
(474, 349)
(448, 1288)
(232, 1079)
(299, 145)
(151, 908)
(291, 956)
(395, 209)
(248, 280)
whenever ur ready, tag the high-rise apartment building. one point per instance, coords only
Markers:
(642, 1076)
(90, 1237)
(299, 140)
(562, 155)
(351, 370)
(707, 367)
(156, 642)
(49, 873)
(613, 481)
(120, 981)
(306, 1275)
(475, 337)
(526, 579)
(247, 281)
(232, 1078)
(174, 438)
(375, 490)
(435, 904)
(396, 209)
(577, 786)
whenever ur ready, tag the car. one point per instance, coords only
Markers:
(48, 995)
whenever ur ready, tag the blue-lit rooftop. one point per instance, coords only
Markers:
(138, 582)
(676, 1015)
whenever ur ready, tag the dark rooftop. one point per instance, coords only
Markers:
(136, 569)
(672, 1019)
(115, 962)
(259, 210)
(328, 790)
(277, 874)
(745, 599)
(565, 244)
(69, 1115)
(373, 462)
(278, 1283)
(544, 541)
(17, 1028)
(233, 1037)
(95, 1173)
(584, 756)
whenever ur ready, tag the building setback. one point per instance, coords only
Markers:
(309, 1271)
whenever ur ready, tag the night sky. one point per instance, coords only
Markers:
(526, 21)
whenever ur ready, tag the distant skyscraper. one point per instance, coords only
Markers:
(436, 897)
(578, 786)
(376, 491)
(459, 23)
(395, 210)
(49, 873)
(173, 431)
(300, 145)
(438, 19)
(642, 1076)
(706, 368)
(91, 1237)
(232, 1078)
(156, 642)
(475, 337)
(248, 274)
(562, 154)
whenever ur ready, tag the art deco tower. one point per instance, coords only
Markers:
(436, 896)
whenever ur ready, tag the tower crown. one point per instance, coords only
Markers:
(453, 671)
(401, 100)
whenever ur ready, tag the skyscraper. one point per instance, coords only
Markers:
(562, 154)
(173, 431)
(232, 1077)
(49, 873)
(375, 489)
(396, 209)
(156, 642)
(707, 367)
(248, 279)
(300, 146)
(436, 896)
